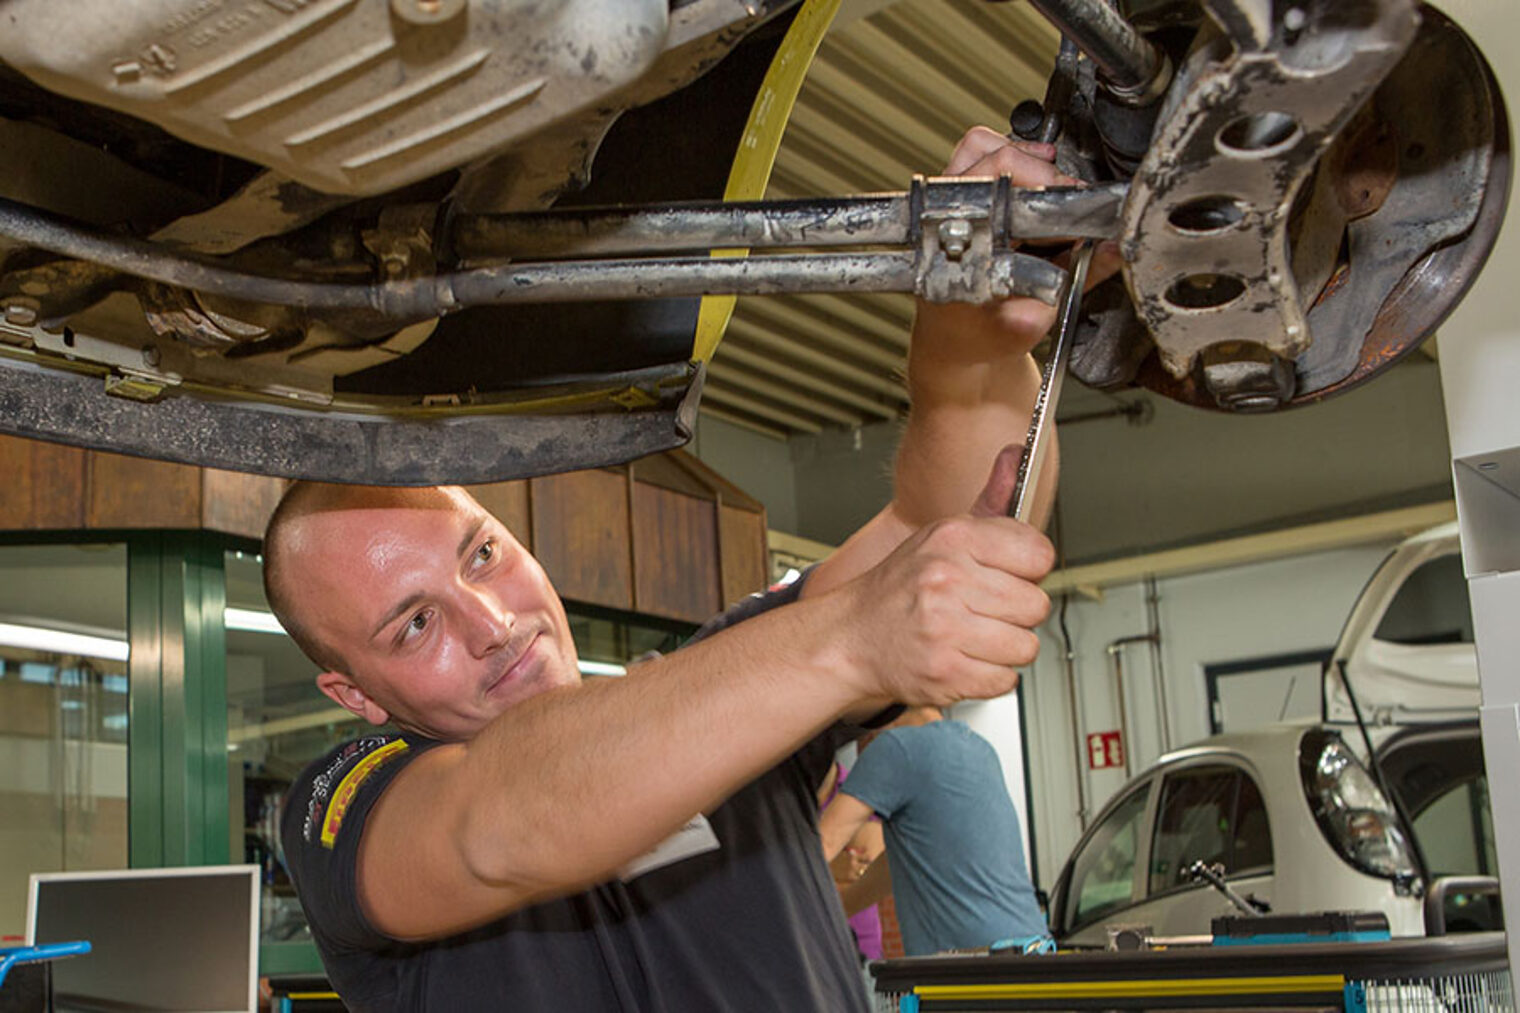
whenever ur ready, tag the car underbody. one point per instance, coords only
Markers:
(416, 241)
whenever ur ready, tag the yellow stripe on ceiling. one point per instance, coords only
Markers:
(751, 170)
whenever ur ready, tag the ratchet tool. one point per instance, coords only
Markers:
(1042, 417)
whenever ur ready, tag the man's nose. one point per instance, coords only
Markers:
(488, 620)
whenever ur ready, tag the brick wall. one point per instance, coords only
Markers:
(891, 933)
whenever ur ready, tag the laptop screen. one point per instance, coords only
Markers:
(181, 939)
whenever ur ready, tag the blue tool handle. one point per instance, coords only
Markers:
(12, 955)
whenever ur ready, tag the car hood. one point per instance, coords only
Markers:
(1406, 650)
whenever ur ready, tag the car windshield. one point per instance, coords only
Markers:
(1213, 815)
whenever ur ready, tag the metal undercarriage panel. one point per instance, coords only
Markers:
(345, 96)
(1286, 236)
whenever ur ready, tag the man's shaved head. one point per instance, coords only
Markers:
(284, 535)
(419, 607)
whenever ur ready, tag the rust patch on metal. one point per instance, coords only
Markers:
(1338, 280)
(1365, 163)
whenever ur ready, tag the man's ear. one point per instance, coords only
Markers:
(344, 692)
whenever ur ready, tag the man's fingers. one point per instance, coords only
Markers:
(983, 679)
(994, 497)
(980, 142)
(999, 628)
(1022, 169)
(996, 542)
(1106, 262)
(954, 607)
(984, 152)
(1010, 600)
(1004, 646)
(963, 655)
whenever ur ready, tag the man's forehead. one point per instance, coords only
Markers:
(369, 506)
(372, 526)
(380, 544)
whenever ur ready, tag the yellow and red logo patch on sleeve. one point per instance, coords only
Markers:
(349, 786)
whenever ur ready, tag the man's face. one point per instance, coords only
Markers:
(441, 619)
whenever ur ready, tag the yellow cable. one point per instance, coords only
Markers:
(751, 171)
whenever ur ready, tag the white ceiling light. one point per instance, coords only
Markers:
(600, 668)
(251, 620)
(37, 638)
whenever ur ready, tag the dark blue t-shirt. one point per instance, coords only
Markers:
(750, 921)
(953, 838)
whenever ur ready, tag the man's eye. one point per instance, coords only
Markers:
(417, 623)
(486, 552)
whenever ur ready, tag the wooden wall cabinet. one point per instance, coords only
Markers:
(664, 536)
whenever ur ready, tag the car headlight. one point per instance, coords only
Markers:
(1353, 813)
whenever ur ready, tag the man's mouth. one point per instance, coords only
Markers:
(518, 661)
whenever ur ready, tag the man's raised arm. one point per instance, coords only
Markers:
(971, 381)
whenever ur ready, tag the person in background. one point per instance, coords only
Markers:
(849, 867)
(953, 840)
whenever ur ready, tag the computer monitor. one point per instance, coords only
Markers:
(182, 939)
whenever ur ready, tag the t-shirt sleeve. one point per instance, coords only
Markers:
(882, 776)
(816, 755)
(752, 605)
(320, 828)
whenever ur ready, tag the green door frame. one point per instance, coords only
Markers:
(178, 799)
(177, 768)
(177, 726)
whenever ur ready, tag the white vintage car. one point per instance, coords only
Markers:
(1292, 818)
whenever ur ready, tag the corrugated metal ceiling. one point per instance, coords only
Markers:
(888, 96)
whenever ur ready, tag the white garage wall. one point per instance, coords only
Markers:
(1192, 475)
(757, 464)
(1273, 608)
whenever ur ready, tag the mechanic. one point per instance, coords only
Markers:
(531, 842)
(955, 854)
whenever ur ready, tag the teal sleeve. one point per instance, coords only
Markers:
(882, 775)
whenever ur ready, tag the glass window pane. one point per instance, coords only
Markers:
(1452, 831)
(1485, 819)
(1103, 875)
(63, 714)
(1431, 607)
(1456, 834)
(1193, 824)
(613, 638)
(1253, 833)
(277, 722)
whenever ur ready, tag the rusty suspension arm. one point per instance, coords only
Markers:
(887, 219)
(945, 239)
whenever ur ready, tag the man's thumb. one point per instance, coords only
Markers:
(996, 494)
